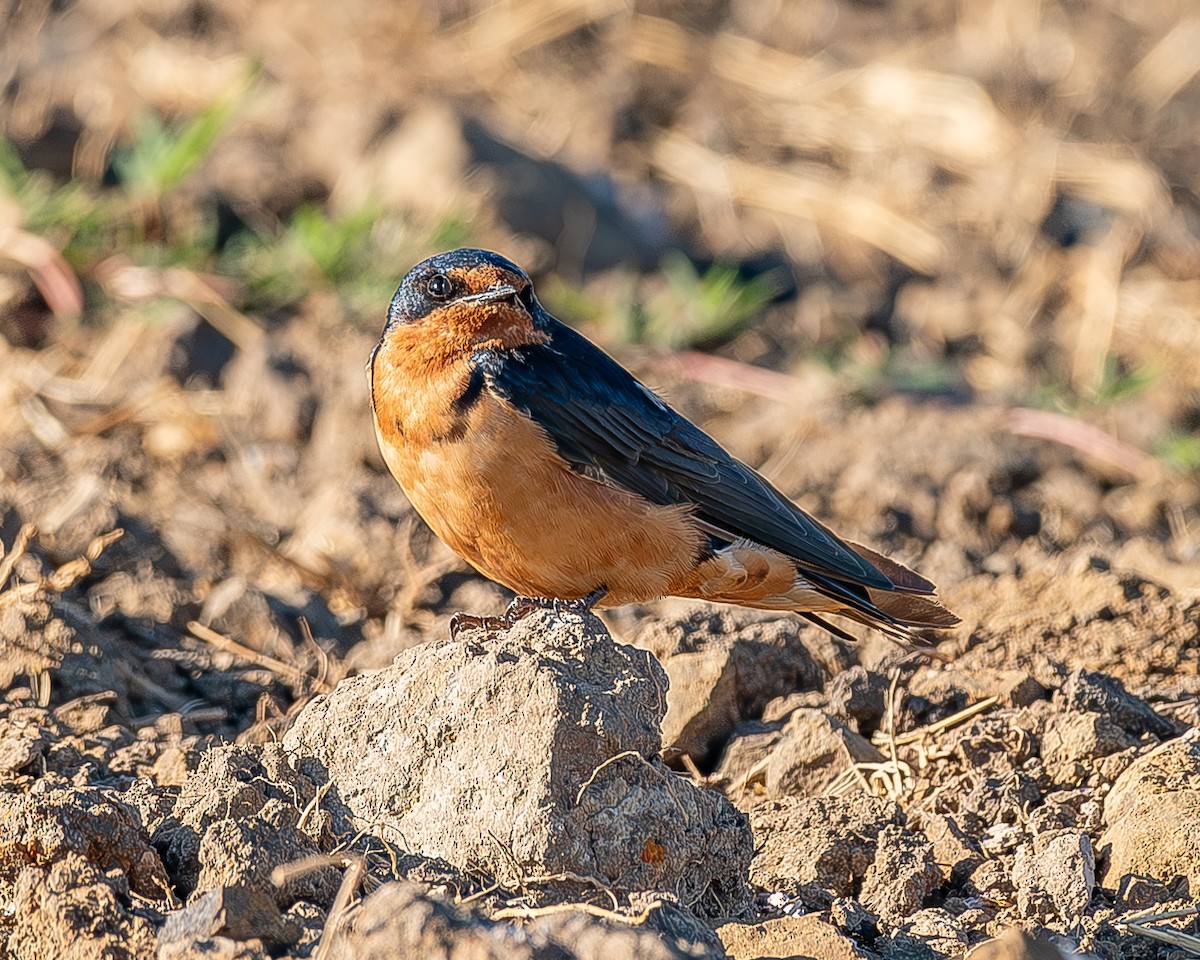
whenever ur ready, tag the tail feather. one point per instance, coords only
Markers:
(914, 611)
(904, 580)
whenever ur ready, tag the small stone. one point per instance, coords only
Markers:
(543, 753)
(1076, 736)
(1137, 893)
(39, 829)
(858, 695)
(851, 916)
(723, 666)
(1016, 944)
(935, 929)
(813, 751)
(1055, 876)
(803, 936)
(239, 913)
(955, 853)
(1103, 694)
(902, 876)
(828, 842)
(991, 881)
(1153, 816)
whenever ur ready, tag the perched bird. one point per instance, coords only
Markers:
(551, 469)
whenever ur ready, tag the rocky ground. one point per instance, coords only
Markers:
(961, 329)
(185, 773)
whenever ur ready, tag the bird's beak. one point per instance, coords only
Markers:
(494, 295)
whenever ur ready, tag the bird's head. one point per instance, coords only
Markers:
(466, 297)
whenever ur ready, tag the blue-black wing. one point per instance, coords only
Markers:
(609, 426)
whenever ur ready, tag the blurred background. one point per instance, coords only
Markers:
(933, 266)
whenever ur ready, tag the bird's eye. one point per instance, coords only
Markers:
(439, 287)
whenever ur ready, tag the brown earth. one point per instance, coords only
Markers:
(233, 723)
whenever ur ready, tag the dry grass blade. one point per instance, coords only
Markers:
(356, 868)
(51, 274)
(20, 544)
(832, 206)
(73, 570)
(1126, 184)
(947, 723)
(1176, 938)
(1169, 66)
(529, 913)
(291, 674)
(723, 372)
(1095, 291)
(490, 38)
(121, 278)
(1087, 439)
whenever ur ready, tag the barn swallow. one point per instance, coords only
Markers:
(550, 468)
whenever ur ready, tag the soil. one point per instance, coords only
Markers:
(216, 607)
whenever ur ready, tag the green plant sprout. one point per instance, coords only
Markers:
(161, 157)
(697, 309)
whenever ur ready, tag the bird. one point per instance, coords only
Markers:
(551, 469)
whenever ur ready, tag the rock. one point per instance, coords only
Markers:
(69, 910)
(955, 852)
(743, 763)
(242, 853)
(669, 933)
(1066, 810)
(1055, 876)
(1104, 694)
(934, 931)
(41, 829)
(238, 817)
(859, 696)
(952, 687)
(1076, 736)
(1016, 944)
(234, 913)
(402, 920)
(901, 876)
(1138, 893)
(1153, 816)
(814, 750)
(538, 746)
(22, 740)
(829, 842)
(853, 918)
(803, 936)
(991, 881)
(1015, 688)
(722, 668)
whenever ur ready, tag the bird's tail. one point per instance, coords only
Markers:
(910, 605)
(910, 602)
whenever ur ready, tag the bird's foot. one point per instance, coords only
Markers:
(522, 607)
(469, 621)
(519, 609)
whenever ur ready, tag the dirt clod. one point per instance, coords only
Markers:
(828, 842)
(73, 910)
(1153, 816)
(807, 935)
(534, 748)
(400, 919)
(1055, 876)
(901, 876)
(722, 667)
(38, 830)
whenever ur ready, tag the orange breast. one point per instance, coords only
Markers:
(491, 485)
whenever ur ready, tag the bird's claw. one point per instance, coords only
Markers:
(520, 608)
(469, 621)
